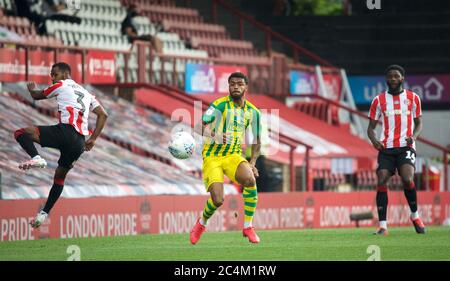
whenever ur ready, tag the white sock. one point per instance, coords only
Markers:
(247, 224)
(383, 224)
(415, 215)
(203, 222)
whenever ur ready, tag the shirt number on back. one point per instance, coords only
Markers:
(80, 100)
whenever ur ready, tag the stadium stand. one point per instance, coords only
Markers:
(192, 28)
(188, 38)
(140, 128)
(26, 31)
(122, 172)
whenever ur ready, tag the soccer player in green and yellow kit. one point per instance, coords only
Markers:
(223, 126)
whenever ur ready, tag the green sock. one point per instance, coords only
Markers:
(250, 195)
(208, 211)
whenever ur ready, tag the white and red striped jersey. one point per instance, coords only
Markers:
(74, 104)
(398, 113)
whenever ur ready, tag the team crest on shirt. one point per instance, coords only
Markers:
(407, 102)
(210, 111)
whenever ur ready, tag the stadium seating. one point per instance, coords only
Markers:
(320, 110)
(95, 15)
(156, 13)
(140, 128)
(366, 179)
(190, 26)
(166, 3)
(121, 172)
(189, 29)
(27, 31)
(177, 27)
(220, 46)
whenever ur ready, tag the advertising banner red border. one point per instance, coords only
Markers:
(12, 65)
(119, 216)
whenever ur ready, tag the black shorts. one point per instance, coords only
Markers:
(393, 158)
(65, 138)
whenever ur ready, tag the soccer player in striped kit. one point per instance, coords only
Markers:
(400, 113)
(223, 125)
(74, 104)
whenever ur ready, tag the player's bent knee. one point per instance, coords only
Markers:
(19, 132)
(382, 180)
(407, 181)
(31, 131)
(249, 182)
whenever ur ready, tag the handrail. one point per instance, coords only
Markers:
(58, 46)
(295, 46)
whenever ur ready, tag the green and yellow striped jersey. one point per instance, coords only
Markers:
(224, 116)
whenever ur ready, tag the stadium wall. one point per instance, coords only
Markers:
(119, 216)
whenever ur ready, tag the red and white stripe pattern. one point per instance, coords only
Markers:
(74, 104)
(397, 113)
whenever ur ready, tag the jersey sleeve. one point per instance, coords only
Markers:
(94, 103)
(214, 111)
(375, 109)
(53, 90)
(417, 107)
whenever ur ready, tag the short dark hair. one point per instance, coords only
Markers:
(395, 67)
(238, 75)
(62, 66)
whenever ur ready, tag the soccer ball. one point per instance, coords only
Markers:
(182, 145)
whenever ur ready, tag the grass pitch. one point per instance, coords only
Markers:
(276, 245)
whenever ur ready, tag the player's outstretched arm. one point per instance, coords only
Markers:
(100, 124)
(35, 93)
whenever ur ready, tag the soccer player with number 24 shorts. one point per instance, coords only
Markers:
(400, 113)
(74, 103)
(223, 125)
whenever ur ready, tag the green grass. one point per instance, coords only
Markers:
(276, 245)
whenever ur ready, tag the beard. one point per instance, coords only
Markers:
(236, 97)
(395, 90)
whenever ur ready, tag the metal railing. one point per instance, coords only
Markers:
(270, 34)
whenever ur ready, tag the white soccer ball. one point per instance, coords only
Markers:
(182, 145)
